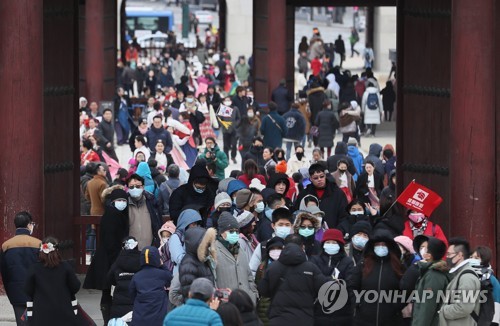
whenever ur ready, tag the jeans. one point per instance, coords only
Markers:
(289, 148)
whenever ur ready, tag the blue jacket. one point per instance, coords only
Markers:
(149, 185)
(176, 242)
(296, 124)
(273, 136)
(357, 159)
(194, 312)
(18, 254)
(154, 134)
(148, 290)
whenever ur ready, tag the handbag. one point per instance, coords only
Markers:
(314, 131)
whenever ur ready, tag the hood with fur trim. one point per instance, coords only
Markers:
(109, 190)
(305, 216)
(207, 245)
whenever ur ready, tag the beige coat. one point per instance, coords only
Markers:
(455, 313)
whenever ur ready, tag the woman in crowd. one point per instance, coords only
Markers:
(251, 171)
(207, 126)
(306, 226)
(369, 185)
(51, 285)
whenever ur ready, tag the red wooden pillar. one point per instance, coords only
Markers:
(21, 135)
(276, 45)
(94, 55)
(472, 136)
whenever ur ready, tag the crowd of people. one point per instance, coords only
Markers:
(183, 243)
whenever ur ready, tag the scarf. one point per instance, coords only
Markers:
(233, 249)
(418, 228)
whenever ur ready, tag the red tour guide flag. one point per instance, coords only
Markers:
(419, 198)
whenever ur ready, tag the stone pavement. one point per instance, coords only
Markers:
(88, 299)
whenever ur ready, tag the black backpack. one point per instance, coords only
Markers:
(486, 309)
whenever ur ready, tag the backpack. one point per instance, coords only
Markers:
(165, 252)
(372, 101)
(486, 309)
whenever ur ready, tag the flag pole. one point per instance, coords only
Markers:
(394, 203)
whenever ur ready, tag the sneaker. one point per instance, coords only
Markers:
(368, 132)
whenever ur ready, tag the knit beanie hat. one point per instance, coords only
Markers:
(333, 234)
(243, 197)
(223, 184)
(406, 242)
(117, 194)
(168, 226)
(234, 186)
(222, 198)
(227, 222)
(281, 167)
(244, 219)
(361, 226)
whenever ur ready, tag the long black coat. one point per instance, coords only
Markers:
(120, 274)
(327, 124)
(327, 265)
(333, 202)
(316, 97)
(255, 155)
(113, 229)
(340, 153)
(375, 313)
(362, 185)
(292, 283)
(52, 290)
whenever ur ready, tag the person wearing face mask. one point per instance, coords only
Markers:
(306, 226)
(292, 283)
(213, 98)
(334, 262)
(229, 118)
(222, 203)
(273, 250)
(432, 273)
(344, 179)
(408, 256)
(113, 228)
(196, 117)
(120, 274)
(297, 161)
(18, 254)
(144, 217)
(417, 224)
(296, 129)
(360, 232)
(356, 213)
(165, 232)
(232, 270)
(455, 311)
(272, 201)
(381, 257)
(195, 191)
(282, 220)
(248, 242)
(255, 153)
(318, 214)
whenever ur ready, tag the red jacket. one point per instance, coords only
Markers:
(432, 230)
(244, 178)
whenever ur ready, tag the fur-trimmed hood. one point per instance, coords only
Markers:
(305, 216)
(207, 245)
(109, 190)
(315, 90)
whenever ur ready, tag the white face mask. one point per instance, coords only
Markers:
(275, 254)
(120, 205)
(136, 192)
(227, 103)
(250, 114)
(357, 213)
(474, 262)
(422, 252)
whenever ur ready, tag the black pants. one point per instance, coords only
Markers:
(230, 143)
(353, 50)
(19, 311)
(354, 134)
(387, 115)
(373, 128)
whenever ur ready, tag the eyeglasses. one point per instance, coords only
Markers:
(318, 177)
(310, 227)
(134, 187)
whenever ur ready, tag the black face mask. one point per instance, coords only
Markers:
(258, 148)
(299, 156)
(342, 171)
(225, 209)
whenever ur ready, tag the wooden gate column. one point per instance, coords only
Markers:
(472, 133)
(21, 135)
